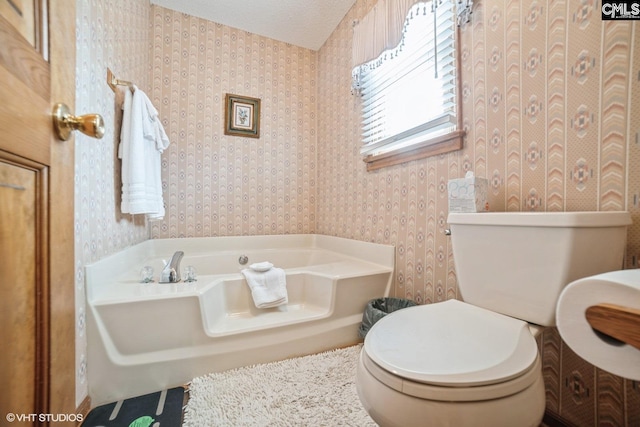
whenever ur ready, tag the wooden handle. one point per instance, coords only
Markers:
(621, 323)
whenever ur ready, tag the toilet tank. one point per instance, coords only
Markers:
(517, 263)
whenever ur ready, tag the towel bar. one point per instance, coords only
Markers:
(113, 82)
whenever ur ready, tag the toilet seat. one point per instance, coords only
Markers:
(452, 351)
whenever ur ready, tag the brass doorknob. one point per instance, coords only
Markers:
(64, 123)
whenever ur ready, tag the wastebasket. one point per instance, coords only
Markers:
(377, 308)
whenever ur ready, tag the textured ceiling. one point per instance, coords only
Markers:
(305, 23)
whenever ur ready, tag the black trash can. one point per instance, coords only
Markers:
(377, 308)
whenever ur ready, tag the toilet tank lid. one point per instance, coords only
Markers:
(543, 219)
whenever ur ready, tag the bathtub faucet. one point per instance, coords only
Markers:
(171, 271)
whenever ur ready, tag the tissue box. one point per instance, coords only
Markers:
(468, 194)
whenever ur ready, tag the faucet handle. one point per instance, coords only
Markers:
(190, 273)
(146, 274)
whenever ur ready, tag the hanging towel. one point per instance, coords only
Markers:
(268, 288)
(142, 141)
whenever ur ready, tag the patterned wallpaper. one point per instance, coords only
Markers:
(114, 34)
(216, 184)
(551, 107)
(548, 104)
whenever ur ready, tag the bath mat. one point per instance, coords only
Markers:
(161, 409)
(316, 390)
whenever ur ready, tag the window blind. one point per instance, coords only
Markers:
(409, 93)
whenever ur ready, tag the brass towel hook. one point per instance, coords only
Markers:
(64, 122)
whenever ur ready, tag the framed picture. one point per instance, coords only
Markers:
(242, 116)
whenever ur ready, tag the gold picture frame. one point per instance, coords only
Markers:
(242, 116)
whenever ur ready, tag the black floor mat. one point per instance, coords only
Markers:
(161, 409)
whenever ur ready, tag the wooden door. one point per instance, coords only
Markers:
(20, 313)
(37, 69)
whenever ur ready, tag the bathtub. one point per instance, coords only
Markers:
(144, 337)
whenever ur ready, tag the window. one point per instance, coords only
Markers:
(409, 93)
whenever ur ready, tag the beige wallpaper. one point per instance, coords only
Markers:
(216, 184)
(114, 34)
(550, 104)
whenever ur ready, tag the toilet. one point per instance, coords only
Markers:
(476, 363)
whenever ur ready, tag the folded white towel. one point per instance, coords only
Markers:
(268, 288)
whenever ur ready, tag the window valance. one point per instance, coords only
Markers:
(379, 30)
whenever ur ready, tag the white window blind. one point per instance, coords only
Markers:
(409, 92)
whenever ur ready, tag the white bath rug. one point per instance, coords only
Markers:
(316, 390)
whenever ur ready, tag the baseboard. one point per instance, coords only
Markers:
(552, 419)
(84, 408)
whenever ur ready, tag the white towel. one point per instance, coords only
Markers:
(142, 141)
(268, 288)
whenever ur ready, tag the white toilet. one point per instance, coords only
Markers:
(476, 363)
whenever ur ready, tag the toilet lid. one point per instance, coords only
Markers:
(451, 344)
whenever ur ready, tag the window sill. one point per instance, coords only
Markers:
(442, 144)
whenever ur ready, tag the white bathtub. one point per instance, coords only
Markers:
(146, 337)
